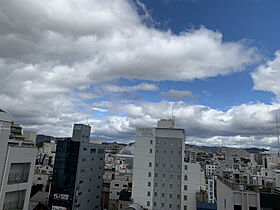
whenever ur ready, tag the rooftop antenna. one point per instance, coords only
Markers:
(277, 130)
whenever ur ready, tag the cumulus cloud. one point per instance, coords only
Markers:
(242, 125)
(267, 77)
(177, 94)
(54, 53)
(141, 86)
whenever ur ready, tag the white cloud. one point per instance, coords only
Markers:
(52, 53)
(267, 77)
(243, 125)
(177, 94)
(141, 86)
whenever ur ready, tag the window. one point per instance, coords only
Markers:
(155, 184)
(162, 195)
(84, 149)
(178, 196)
(157, 150)
(156, 165)
(148, 203)
(171, 176)
(252, 208)
(149, 184)
(170, 195)
(171, 152)
(186, 167)
(150, 174)
(148, 193)
(179, 152)
(156, 174)
(117, 185)
(92, 151)
(155, 203)
(164, 151)
(83, 159)
(162, 204)
(163, 175)
(185, 187)
(170, 186)
(163, 165)
(185, 207)
(186, 177)
(150, 164)
(88, 190)
(39, 178)
(151, 150)
(81, 181)
(163, 185)
(185, 197)
(170, 206)
(237, 207)
(225, 203)
(155, 194)
(151, 141)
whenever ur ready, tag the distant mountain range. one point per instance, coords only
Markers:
(244, 152)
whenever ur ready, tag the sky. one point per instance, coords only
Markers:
(120, 64)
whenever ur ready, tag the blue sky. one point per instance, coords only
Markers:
(124, 64)
(252, 20)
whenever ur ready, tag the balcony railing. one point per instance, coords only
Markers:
(15, 178)
(13, 205)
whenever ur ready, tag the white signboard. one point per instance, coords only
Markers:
(146, 132)
(58, 208)
(60, 196)
(211, 197)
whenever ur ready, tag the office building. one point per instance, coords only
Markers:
(17, 159)
(158, 166)
(78, 170)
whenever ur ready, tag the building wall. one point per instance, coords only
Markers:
(148, 181)
(89, 177)
(193, 179)
(18, 155)
(227, 198)
(142, 183)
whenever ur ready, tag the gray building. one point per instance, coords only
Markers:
(78, 170)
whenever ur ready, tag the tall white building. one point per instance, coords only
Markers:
(158, 166)
(17, 159)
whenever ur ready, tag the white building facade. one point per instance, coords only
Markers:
(158, 166)
(17, 159)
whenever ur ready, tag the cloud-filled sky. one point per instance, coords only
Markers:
(121, 64)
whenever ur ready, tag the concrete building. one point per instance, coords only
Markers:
(116, 186)
(232, 195)
(193, 179)
(78, 170)
(17, 159)
(158, 166)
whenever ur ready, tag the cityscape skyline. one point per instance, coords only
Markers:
(118, 65)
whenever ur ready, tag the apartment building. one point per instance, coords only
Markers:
(17, 159)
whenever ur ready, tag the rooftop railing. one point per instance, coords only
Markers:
(248, 187)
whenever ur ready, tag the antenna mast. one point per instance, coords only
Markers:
(277, 135)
